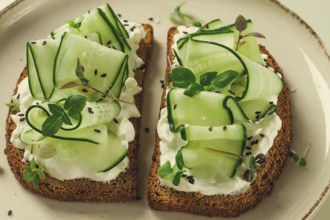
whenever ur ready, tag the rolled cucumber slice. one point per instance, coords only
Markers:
(205, 108)
(209, 148)
(40, 64)
(101, 66)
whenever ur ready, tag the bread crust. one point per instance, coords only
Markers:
(164, 198)
(122, 189)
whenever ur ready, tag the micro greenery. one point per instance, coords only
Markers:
(33, 174)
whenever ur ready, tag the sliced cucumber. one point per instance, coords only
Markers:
(40, 64)
(213, 147)
(101, 65)
(212, 25)
(205, 108)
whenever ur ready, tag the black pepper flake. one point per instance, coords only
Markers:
(44, 43)
(185, 32)
(210, 128)
(125, 21)
(97, 130)
(258, 112)
(175, 106)
(84, 90)
(248, 148)
(262, 135)
(10, 212)
(20, 114)
(115, 120)
(109, 42)
(18, 95)
(224, 128)
(119, 15)
(151, 19)
(191, 179)
(95, 72)
(33, 42)
(248, 153)
(255, 142)
(132, 28)
(146, 129)
(104, 75)
(249, 138)
(271, 103)
(90, 110)
(22, 119)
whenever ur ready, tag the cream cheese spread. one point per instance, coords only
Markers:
(123, 128)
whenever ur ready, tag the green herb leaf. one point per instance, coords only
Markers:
(224, 79)
(28, 176)
(177, 177)
(303, 162)
(179, 160)
(13, 106)
(197, 24)
(240, 23)
(51, 125)
(33, 175)
(164, 169)
(74, 104)
(206, 78)
(76, 23)
(193, 89)
(56, 110)
(36, 181)
(182, 77)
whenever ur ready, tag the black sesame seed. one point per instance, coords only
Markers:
(258, 112)
(116, 121)
(84, 90)
(132, 28)
(248, 148)
(151, 19)
(97, 130)
(248, 153)
(113, 47)
(224, 128)
(104, 75)
(207, 26)
(126, 24)
(20, 114)
(255, 142)
(191, 179)
(125, 21)
(95, 72)
(109, 42)
(231, 92)
(18, 95)
(271, 103)
(175, 106)
(185, 32)
(44, 43)
(90, 110)
(183, 175)
(210, 128)
(22, 119)
(85, 37)
(262, 135)
(146, 129)
(249, 138)
(119, 15)
(10, 212)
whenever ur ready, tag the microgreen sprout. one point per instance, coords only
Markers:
(300, 160)
(33, 174)
(177, 17)
(241, 25)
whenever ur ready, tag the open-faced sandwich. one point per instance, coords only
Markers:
(73, 126)
(224, 131)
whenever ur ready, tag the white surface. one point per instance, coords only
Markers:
(294, 48)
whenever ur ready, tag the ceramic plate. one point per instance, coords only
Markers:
(298, 193)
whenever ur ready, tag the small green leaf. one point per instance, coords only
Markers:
(179, 160)
(13, 106)
(302, 162)
(32, 164)
(240, 23)
(66, 120)
(36, 182)
(182, 77)
(56, 110)
(193, 89)
(295, 157)
(74, 104)
(76, 23)
(224, 79)
(40, 173)
(51, 125)
(177, 177)
(164, 170)
(206, 78)
(177, 17)
(28, 176)
(197, 24)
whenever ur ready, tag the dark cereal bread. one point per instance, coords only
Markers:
(123, 188)
(164, 198)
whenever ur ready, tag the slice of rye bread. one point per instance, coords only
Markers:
(123, 188)
(164, 198)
